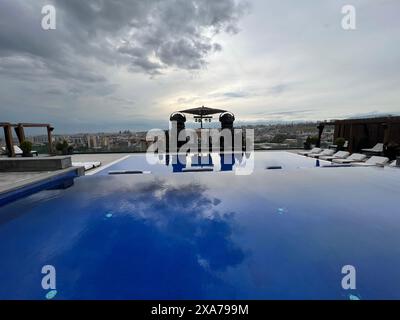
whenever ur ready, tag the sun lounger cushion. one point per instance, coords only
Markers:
(373, 161)
(355, 157)
(313, 151)
(326, 152)
(337, 155)
(17, 150)
(393, 164)
(377, 148)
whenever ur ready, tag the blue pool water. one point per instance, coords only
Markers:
(275, 234)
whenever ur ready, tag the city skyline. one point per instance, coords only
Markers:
(110, 66)
(266, 137)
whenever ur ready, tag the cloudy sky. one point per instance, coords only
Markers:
(127, 64)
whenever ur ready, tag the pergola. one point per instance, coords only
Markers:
(19, 130)
(365, 132)
(202, 113)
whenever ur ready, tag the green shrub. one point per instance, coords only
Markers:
(310, 141)
(64, 148)
(339, 142)
(279, 138)
(313, 140)
(61, 145)
(26, 147)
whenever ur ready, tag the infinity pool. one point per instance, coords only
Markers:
(274, 234)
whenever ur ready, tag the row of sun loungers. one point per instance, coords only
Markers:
(344, 158)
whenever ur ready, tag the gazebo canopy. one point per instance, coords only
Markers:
(203, 111)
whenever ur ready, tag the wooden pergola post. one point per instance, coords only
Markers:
(320, 127)
(19, 130)
(9, 140)
(50, 145)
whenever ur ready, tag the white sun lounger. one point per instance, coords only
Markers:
(378, 148)
(337, 155)
(373, 161)
(17, 150)
(87, 165)
(355, 157)
(309, 152)
(393, 164)
(324, 153)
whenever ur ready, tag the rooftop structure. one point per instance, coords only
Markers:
(20, 132)
(366, 132)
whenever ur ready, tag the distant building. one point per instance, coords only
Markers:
(92, 141)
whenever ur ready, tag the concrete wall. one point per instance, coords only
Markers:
(35, 164)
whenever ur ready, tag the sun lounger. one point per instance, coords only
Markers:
(373, 161)
(87, 165)
(378, 148)
(393, 164)
(309, 152)
(355, 157)
(324, 153)
(337, 155)
(17, 150)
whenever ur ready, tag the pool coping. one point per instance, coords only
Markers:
(38, 183)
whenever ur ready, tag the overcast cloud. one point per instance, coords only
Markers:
(127, 64)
